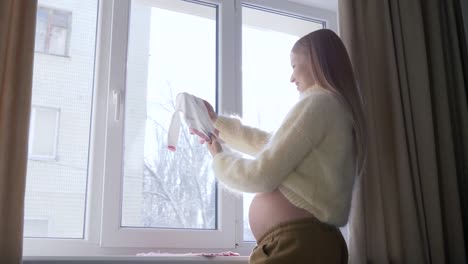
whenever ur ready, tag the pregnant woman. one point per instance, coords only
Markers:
(302, 174)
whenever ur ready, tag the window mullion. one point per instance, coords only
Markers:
(230, 59)
(230, 91)
(97, 154)
(114, 132)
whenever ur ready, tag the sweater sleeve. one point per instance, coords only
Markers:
(248, 140)
(303, 128)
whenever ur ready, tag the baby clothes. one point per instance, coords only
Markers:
(196, 117)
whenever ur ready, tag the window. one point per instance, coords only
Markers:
(43, 133)
(53, 31)
(109, 184)
(166, 191)
(163, 188)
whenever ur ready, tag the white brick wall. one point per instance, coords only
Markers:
(56, 189)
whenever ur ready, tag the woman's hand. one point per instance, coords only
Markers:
(213, 115)
(214, 147)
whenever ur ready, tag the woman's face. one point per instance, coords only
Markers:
(302, 72)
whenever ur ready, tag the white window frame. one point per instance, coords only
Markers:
(31, 155)
(112, 235)
(103, 235)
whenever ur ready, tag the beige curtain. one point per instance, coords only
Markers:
(17, 29)
(411, 63)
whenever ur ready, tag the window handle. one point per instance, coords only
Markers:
(116, 96)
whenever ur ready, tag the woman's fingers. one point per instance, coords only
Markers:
(213, 146)
(211, 111)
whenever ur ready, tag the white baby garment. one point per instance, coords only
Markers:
(196, 117)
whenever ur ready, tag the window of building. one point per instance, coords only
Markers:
(43, 133)
(53, 31)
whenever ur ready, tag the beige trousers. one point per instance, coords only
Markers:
(301, 242)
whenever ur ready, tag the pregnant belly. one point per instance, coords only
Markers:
(270, 209)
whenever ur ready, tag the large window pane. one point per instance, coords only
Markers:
(267, 39)
(60, 119)
(172, 49)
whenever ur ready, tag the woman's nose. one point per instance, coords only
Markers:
(292, 79)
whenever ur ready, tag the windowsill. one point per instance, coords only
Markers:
(43, 158)
(134, 259)
(41, 251)
(66, 56)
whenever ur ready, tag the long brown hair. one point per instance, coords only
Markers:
(332, 70)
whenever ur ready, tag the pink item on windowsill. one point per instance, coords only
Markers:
(218, 254)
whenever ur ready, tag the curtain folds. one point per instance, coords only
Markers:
(411, 64)
(17, 30)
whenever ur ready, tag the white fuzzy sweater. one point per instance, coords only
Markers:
(309, 159)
